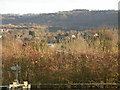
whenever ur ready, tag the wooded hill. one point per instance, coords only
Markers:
(66, 20)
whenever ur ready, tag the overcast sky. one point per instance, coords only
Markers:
(49, 6)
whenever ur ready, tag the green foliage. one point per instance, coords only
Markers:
(32, 33)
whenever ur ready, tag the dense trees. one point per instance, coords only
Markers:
(80, 61)
(67, 20)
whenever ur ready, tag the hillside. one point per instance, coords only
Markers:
(76, 19)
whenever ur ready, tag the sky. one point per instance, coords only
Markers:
(50, 6)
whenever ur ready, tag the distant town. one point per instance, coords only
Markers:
(64, 48)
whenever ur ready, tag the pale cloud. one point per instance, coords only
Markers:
(44, 6)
